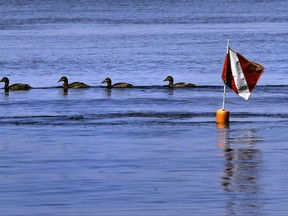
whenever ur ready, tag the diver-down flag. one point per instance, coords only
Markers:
(240, 74)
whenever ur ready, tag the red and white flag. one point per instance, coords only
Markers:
(240, 74)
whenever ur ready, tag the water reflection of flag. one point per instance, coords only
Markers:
(240, 74)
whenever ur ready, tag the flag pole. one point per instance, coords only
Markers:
(222, 115)
(224, 92)
(224, 97)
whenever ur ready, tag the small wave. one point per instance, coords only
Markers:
(136, 118)
(212, 87)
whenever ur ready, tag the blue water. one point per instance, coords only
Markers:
(147, 150)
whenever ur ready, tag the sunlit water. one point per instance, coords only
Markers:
(147, 150)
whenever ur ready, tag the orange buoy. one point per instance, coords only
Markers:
(222, 116)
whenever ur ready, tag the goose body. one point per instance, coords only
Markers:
(66, 85)
(177, 85)
(14, 87)
(116, 85)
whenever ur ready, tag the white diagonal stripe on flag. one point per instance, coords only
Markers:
(239, 78)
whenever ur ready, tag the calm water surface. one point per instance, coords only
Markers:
(147, 150)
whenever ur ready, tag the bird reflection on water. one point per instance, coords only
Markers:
(108, 92)
(242, 167)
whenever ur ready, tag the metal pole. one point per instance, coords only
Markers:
(224, 97)
(224, 93)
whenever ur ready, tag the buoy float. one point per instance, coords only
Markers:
(222, 116)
